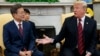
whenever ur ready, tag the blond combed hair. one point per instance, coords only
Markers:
(81, 2)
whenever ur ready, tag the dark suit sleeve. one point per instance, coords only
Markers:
(62, 33)
(93, 43)
(32, 40)
(7, 42)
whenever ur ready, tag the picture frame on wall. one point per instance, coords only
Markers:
(96, 1)
(88, 1)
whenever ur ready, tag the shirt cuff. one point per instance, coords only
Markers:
(52, 40)
(87, 52)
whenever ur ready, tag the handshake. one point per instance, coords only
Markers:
(45, 40)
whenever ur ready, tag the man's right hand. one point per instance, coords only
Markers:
(22, 53)
(45, 40)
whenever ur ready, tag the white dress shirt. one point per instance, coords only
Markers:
(16, 22)
(82, 21)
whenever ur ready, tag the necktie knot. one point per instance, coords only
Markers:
(19, 25)
(80, 20)
(20, 29)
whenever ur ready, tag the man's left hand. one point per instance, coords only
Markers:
(28, 53)
(88, 54)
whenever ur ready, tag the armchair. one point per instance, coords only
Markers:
(4, 18)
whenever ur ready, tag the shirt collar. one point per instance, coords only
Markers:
(82, 19)
(16, 22)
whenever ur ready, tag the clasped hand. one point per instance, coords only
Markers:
(25, 53)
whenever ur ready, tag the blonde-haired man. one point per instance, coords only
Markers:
(79, 32)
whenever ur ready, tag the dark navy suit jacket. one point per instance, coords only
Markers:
(14, 42)
(70, 33)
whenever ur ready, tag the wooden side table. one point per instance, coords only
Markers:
(55, 52)
(98, 47)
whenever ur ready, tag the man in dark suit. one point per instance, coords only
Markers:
(79, 32)
(17, 34)
(27, 17)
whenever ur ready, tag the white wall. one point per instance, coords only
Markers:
(47, 21)
(96, 8)
(2, 0)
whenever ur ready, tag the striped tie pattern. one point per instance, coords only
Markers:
(80, 38)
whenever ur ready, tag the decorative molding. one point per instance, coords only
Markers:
(37, 3)
(46, 11)
(40, 9)
(49, 1)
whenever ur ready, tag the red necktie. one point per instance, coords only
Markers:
(21, 32)
(20, 29)
(80, 38)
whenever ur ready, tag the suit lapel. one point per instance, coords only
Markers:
(24, 29)
(16, 29)
(75, 27)
(86, 24)
(75, 24)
